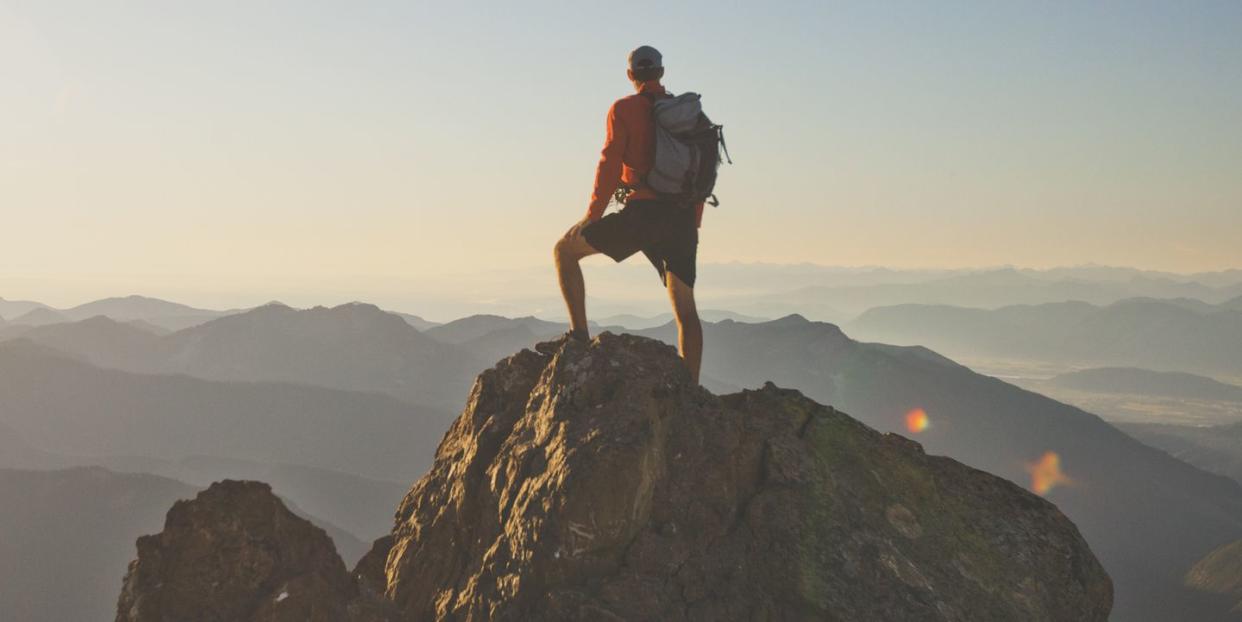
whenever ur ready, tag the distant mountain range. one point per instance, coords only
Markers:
(155, 315)
(1172, 335)
(358, 505)
(166, 315)
(14, 308)
(353, 347)
(1216, 448)
(73, 408)
(841, 296)
(1147, 515)
(757, 290)
(1135, 381)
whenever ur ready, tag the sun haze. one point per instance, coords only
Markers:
(289, 142)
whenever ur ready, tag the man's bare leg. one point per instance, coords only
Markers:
(569, 250)
(689, 329)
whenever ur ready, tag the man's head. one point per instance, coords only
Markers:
(646, 65)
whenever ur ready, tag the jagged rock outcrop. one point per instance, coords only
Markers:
(596, 482)
(236, 553)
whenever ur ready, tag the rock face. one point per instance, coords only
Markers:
(1220, 572)
(235, 553)
(595, 481)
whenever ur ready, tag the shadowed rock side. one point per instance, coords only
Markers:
(595, 481)
(237, 553)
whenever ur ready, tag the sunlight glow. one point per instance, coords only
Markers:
(1046, 473)
(917, 420)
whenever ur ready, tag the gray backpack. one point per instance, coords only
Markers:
(688, 148)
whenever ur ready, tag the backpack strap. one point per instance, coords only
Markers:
(723, 146)
(623, 191)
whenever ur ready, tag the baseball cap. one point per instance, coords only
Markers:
(645, 56)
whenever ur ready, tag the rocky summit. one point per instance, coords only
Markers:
(596, 481)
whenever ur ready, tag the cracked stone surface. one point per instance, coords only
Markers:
(235, 552)
(596, 481)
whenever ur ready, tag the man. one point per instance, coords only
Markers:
(666, 232)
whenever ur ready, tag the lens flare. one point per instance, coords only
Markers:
(917, 421)
(1046, 473)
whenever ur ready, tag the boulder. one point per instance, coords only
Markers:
(597, 481)
(235, 553)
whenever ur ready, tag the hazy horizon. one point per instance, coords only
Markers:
(290, 143)
(515, 291)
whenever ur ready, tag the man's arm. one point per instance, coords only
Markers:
(608, 173)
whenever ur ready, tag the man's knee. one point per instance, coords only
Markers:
(563, 250)
(572, 248)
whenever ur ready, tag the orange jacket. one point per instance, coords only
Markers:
(629, 149)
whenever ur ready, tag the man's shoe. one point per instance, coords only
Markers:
(548, 348)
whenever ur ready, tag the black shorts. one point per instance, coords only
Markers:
(667, 235)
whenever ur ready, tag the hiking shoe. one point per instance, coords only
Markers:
(548, 348)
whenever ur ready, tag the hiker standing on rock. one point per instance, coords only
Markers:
(659, 160)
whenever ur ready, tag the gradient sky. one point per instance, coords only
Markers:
(212, 144)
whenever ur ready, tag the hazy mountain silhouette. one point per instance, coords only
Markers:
(353, 347)
(476, 326)
(99, 340)
(72, 408)
(1216, 448)
(417, 321)
(851, 293)
(1135, 381)
(67, 535)
(490, 337)
(1156, 334)
(41, 316)
(169, 315)
(10, 309)
(166, 315)
(1147, 515)
(358, 505)
(149, 327)
(638, 322)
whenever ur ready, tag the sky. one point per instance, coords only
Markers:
(246, 149)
